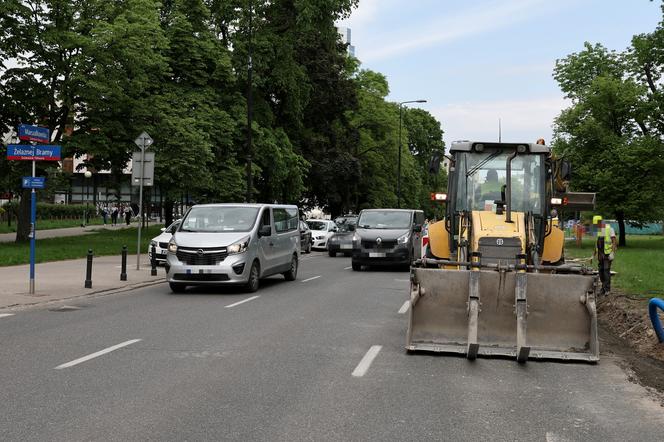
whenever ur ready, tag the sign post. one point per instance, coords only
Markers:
(143, 142)
(34, 153)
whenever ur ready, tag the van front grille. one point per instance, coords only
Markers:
(201, 256)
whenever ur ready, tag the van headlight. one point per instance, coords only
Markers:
(172, 247)
(403, 239)
(356, 238)
(238, 247)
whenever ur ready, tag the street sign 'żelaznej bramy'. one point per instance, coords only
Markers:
(39, 134)
(27, 152)
(33, 152)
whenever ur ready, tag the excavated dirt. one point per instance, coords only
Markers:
(626, 331)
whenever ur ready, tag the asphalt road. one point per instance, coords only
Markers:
(294, 363)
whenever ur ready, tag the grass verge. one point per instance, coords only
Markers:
(103, 242)
(639, 265)
(52, 224)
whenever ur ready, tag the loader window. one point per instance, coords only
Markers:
(482, 175)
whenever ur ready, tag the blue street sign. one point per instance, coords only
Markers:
(39, 152)
(39, 134)
(34, 182)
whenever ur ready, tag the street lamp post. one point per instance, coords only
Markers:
(87, 175)
(399, 161)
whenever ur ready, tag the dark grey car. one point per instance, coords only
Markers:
(387, 237)
(342, 240)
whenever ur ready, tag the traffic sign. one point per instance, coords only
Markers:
(34, 182)
(147, 170)
(40, 152)
(39, 134)
(143, 141)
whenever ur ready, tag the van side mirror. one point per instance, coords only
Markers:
(265, 231)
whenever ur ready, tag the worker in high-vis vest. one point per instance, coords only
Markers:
(605, 251)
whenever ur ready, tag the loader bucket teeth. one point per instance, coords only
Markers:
(521, 315)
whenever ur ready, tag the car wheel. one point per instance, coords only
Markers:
(291, 275)
(177, 288)
(356, 266)
(331, 253)
(347, 255)
(254, 278)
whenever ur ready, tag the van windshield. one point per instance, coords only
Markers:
(219, 219)
(384, 219)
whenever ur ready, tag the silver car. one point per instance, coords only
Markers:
(233, 244)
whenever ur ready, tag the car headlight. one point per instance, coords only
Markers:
(172, 247)
(238, 247)
(403, 239)
(320, 236)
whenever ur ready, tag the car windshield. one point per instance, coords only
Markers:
(345, 227)
(317, 225)
(384, 219)
(219, 219)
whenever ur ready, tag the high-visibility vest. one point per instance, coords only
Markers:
(608, 246)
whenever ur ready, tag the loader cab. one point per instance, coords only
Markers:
(478, 182)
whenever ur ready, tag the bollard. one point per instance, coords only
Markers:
(88, 271)
(123, 271)
(153, 262)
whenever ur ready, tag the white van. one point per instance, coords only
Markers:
(233, 244)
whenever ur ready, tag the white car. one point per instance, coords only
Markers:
(160, 242)
(321, 231)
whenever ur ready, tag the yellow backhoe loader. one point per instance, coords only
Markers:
(494, 281)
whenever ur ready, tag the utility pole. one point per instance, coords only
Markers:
(250, 107)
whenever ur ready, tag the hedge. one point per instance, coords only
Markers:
(53, 211)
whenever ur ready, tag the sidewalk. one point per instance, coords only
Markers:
(60, 280)
(67, 231)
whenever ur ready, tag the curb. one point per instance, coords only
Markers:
(92, 294)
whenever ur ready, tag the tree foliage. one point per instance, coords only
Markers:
(98, 73)
(613, 131)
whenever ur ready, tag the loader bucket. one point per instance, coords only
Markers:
(491, 313)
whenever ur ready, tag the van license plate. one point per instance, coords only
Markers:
(376, 255)
(346, 246)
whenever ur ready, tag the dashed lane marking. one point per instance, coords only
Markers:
(5, 315)
(366, 361)
(311, 279)
(242, 302)
(96, 354)
(348, 268)
(404, 308)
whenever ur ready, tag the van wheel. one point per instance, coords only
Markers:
(356, 266)
(291, 275)
(332, 254)
(177, 288)
(254, 278)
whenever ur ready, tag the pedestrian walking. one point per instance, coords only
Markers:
(605, 251)
(127, 214)
(104, 214)
(114, 215)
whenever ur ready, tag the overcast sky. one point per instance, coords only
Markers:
(476, 61)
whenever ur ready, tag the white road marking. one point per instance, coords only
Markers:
(243, 301)
(366, 361)
(96, 354)
(552, 437)
(311, 279)
(348, 268)
(402, 280)
(404, 308)
(4, 315)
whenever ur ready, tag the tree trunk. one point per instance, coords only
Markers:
(622, 240)
(168, 211)
(23, 218)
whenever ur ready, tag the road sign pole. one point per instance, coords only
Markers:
(140, 207)
(33, 231)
